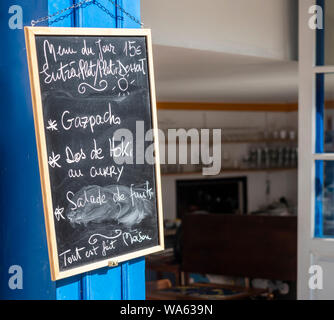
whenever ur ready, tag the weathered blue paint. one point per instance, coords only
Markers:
(55, 6)
(126, 281)
(93, 16)
(133, 279)
(22, 231)
(102, 284)
(69, 288)
(133, 272)
(132, 7)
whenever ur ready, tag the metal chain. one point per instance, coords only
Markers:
(84, 4)
(48, 17)
(103, 8)
(127, 13)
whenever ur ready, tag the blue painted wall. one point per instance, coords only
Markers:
(23, 239)
(22, 232)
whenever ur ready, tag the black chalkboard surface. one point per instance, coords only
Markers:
(94, 109)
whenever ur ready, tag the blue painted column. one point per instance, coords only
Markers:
(133, 272)
(22, 231)
(126, 281)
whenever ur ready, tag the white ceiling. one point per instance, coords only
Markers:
(184, 74)
(224, 50)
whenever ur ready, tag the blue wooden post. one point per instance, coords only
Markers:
(133, 279)
(133, 272)
(23, 237)
(126, 281)
(22, 232)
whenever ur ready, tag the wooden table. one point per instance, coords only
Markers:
(201, 291)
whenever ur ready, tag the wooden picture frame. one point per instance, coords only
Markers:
(30, 36)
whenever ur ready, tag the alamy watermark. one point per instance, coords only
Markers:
(316, 21)
(316, 279)
(16, 19)
(15, 281)
(200, 147)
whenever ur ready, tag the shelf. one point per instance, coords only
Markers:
(260, 141)
(231, 171)
(250, 141)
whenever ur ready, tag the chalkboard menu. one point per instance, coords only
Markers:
(96, 131)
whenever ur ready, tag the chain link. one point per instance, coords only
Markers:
(126, 13)
(84, 4)
(48, 17)
(103, 8)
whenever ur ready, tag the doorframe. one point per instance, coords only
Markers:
(312, 250)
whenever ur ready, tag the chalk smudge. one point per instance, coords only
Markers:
(126, 210)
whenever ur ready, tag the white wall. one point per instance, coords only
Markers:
(263, 28)
(282, 183)
(226, 119)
